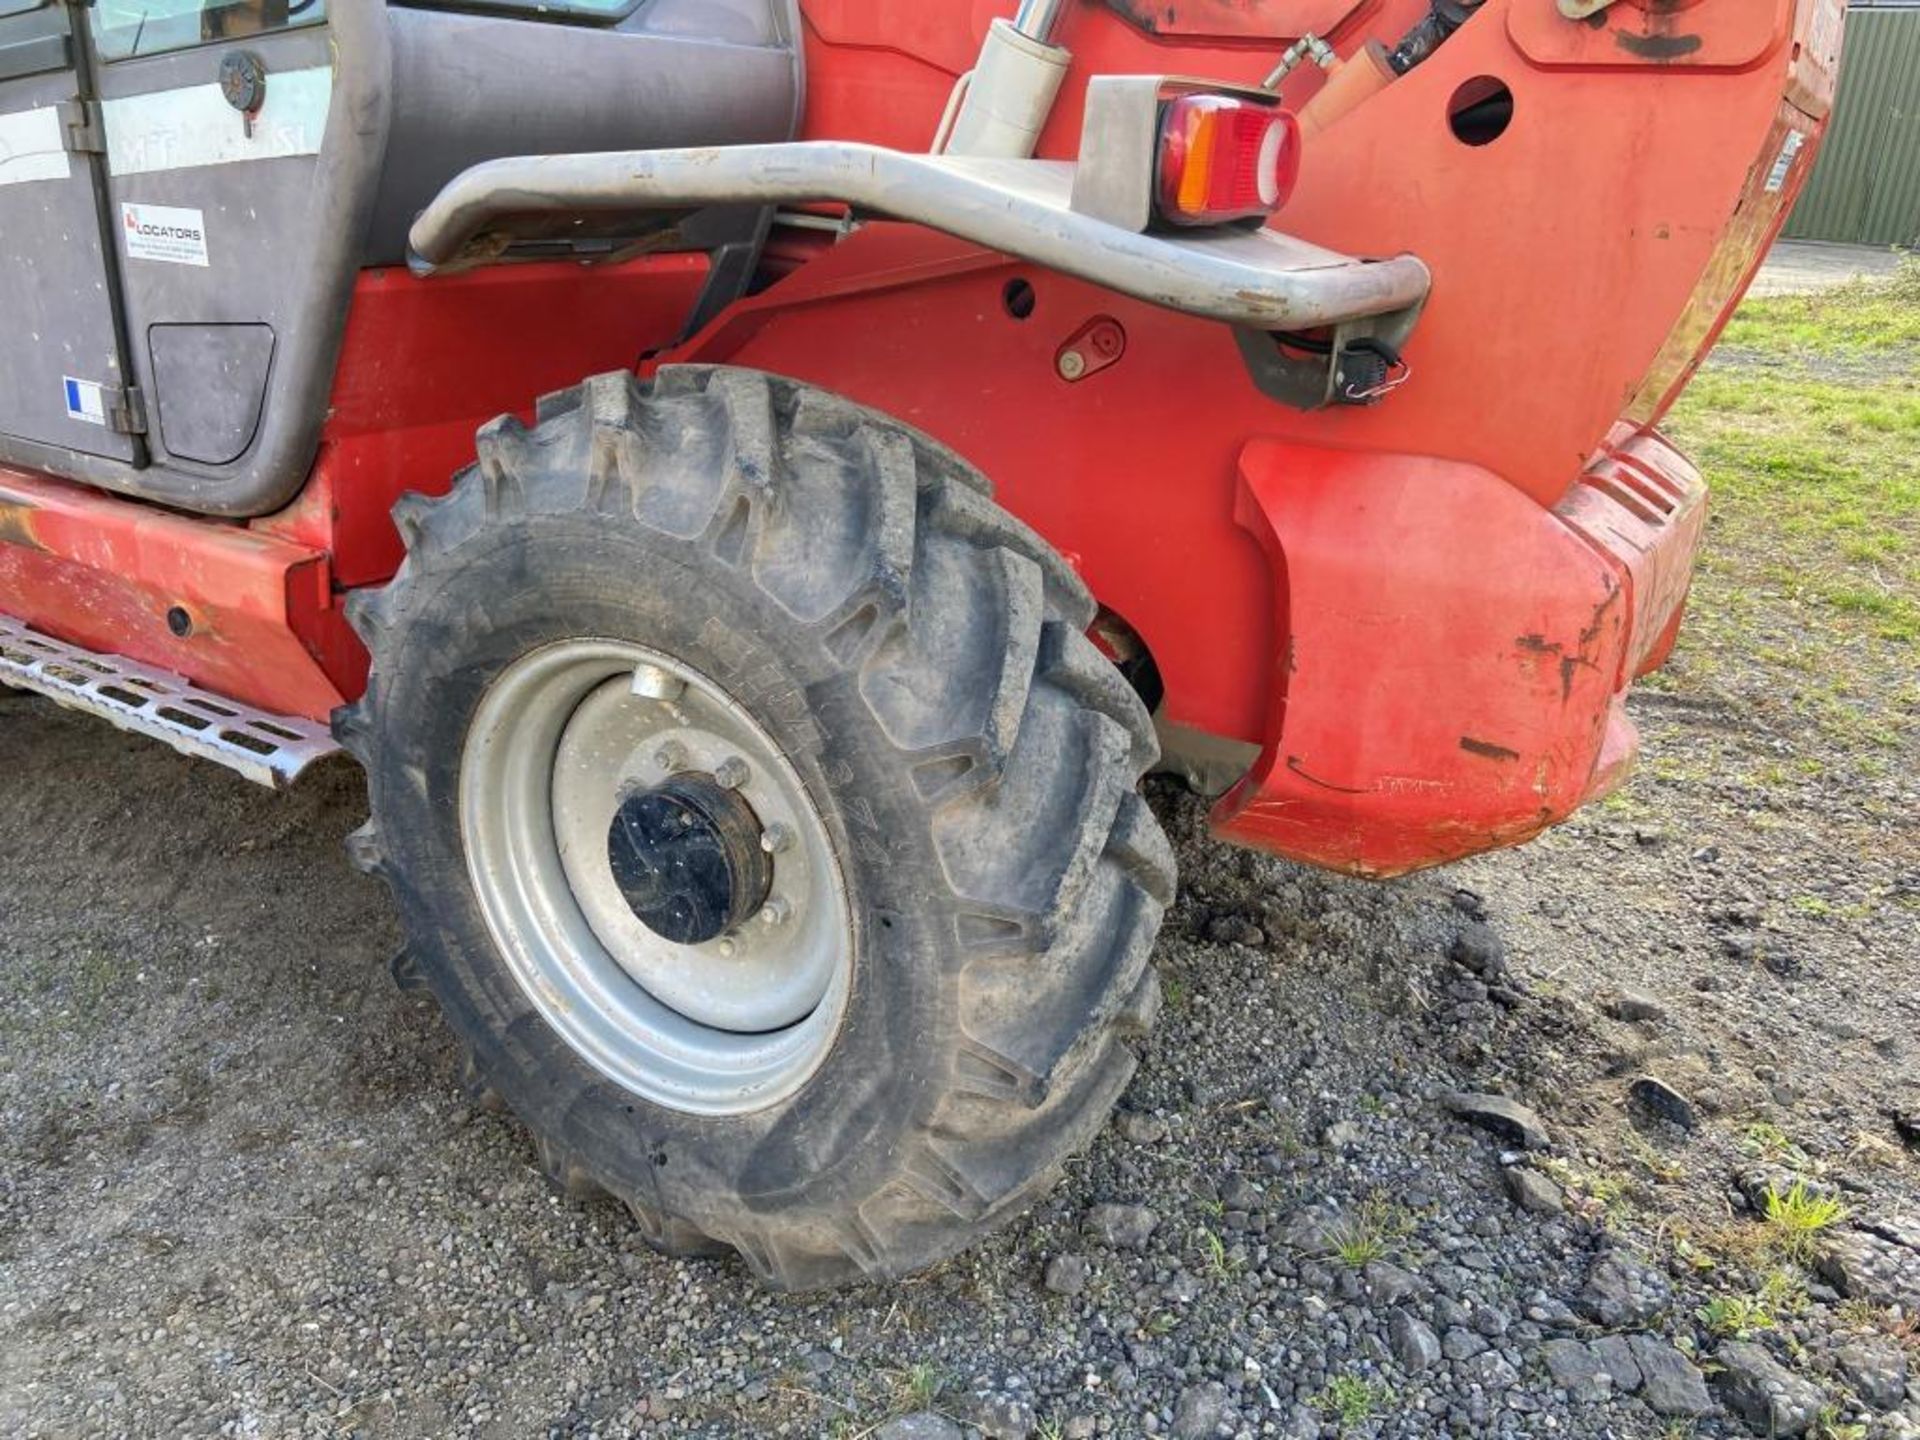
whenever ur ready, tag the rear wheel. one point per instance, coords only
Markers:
(762, 819)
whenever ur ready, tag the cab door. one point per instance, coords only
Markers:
(63, 376)
(213, 114)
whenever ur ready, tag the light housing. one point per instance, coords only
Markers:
(1224, 158)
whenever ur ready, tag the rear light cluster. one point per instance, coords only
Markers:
(1223, 158)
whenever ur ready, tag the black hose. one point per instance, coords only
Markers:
(1431, 33)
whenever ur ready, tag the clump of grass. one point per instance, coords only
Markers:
(1782, 1295)
(917, 1387)
(1688, 1249)
(1600, 1198)
(1788, 1233)
(1797, 1218)
(1219, 1260)
(1285, 1138)
(1664, 1170)
(1859, 1314)
(1733, 1316)
(1361, 1239)
(1623, 806)
(1829, 1426)
(1351, 1400)
(1358, 1248)
(1768, 1141)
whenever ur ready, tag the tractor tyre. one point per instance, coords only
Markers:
(762, 819)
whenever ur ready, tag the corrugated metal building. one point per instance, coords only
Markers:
(1866, 188)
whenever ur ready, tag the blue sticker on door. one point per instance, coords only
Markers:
(86, 401)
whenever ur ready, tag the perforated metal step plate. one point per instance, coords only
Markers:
(269, 749)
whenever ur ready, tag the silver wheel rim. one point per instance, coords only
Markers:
(560, 740)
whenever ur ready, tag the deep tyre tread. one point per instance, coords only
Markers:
(979, 756)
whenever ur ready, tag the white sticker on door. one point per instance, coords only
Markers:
(32, 147)
(170, 234)
(85, 401)
(194, 125)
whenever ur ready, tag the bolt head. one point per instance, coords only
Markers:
(671, 757)
(1072, 365)
(731, 772)
(776, 911)
(775, 838)
(727, 947)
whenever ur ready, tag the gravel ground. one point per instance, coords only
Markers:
(242, 1192)
(1613, 1135)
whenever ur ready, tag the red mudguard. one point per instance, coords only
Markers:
(1456, 655)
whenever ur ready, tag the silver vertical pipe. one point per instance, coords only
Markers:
(1036, 19)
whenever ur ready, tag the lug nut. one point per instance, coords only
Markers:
(731, 773)
(776, 911)
(775, 838)
(653, 683)
(671, 756)
(726, 948)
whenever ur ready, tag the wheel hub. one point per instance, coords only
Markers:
(687, 856)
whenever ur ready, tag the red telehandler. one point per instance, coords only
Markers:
(757, 483)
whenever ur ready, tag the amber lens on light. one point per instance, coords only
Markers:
(1196, 174)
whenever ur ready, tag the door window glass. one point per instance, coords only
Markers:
(18, 7)
(125, 28)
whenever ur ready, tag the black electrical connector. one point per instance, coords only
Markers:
(1367, 370)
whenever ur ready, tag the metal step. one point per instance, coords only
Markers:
(269, 749)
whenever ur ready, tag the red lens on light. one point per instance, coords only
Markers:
(1225, 159)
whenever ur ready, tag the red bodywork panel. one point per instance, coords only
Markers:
(1486, 702)
(1607, 231)
(1424, 612)
(104, 572)
(425, 365)
(1487, 682)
